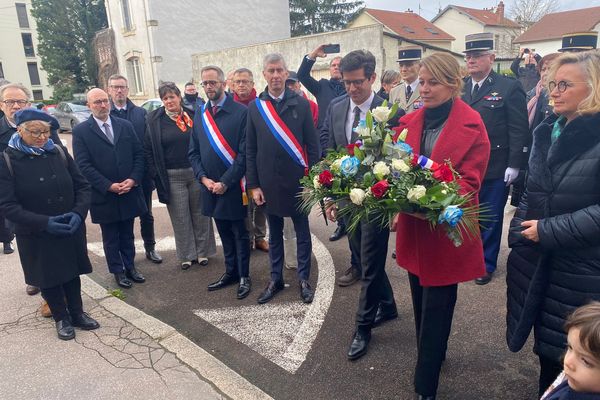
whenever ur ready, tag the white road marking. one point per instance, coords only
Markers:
(165, 244)
(282, 333)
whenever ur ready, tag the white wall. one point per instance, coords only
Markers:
(12, 55)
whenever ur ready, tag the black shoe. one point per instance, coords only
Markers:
(244, 288)
(421, 397)
(306, 292)
(8, 248)
(122, 281)
(270, 291)
(134, 275)
(338, 233)
(153, 256)
(224, 280)
(186, 265)
(484, 280)
(394, 254)
(65, 330)
(84, 322)
(359, 345)
(384, 315)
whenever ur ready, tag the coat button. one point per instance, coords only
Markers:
(49, 201)
(42, 179)
(60, 199)
(53, 176)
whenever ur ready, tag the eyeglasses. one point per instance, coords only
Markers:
(38, 134)
(356, 82)
(561, 86)
(118, 87)
(209, 83)
(100, 102)
(242, 82)
(11, 103)
(475, 56)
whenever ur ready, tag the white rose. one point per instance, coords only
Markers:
(362, 131)
(316, 183)
(415, 193)
(380, 113)
(357, 196)
(400, 165)
(381, 169)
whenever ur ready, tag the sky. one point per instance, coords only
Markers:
(429, 8)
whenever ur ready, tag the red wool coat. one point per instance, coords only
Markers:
(427, 253)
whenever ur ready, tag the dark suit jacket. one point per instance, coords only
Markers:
(501, 103)
(268, 165)
(231, 120)
(335, 124)
(103, 164)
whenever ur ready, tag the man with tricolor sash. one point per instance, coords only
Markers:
(281, 145)
(217, 154)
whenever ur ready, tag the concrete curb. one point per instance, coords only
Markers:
(220, 375)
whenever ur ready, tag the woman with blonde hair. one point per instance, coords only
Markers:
(554, 264)
(446, 128)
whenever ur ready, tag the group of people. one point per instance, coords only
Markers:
(240, 151)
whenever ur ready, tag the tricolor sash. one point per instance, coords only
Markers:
(282, 133)
(220, 146)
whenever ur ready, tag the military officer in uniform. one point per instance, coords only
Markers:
(501, 103)
(579, 41)
(407, 93)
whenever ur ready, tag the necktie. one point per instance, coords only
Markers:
(214, 110)
(475, 90)
(408, 92)
(108, 133)
(356, 118)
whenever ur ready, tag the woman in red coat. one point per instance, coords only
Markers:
(445, 128)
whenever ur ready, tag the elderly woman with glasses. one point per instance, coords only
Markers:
(554, 263)
(166, 146)
(43, 193)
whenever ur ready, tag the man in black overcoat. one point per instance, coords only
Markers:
(218, 157)
(274, 171)
(500, 101)
(122, 107)
(111, 157)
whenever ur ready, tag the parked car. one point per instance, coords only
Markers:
(152, 104)
(70, 114)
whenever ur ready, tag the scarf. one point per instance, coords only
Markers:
(182, 120)
(250, 99)
(16, 142)
(532, 104)
(557, 128)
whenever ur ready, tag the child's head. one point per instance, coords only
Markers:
(582, 360)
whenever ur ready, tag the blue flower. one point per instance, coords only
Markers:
(451, 215)
(349, 166)
(402, 149)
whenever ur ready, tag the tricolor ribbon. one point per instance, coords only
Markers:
(282, 133)
(427, 163)
(220, 146)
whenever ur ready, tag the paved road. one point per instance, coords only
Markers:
(293, 351)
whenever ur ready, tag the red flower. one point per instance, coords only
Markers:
(326, 178)
(443, 173)
(380, 188)
(415, 160)
(350, 147)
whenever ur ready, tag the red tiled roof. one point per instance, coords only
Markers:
(553, 26)
(487, 17)
(409, 25)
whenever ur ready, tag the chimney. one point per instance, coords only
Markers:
(500, 11)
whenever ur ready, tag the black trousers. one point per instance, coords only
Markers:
(236, 246)
(354, 246)
(276, 249)
(147, 221)
(433, 307)
(6, 231)
(370, 243)
(549, 370)
(65, 299)
(119, 246)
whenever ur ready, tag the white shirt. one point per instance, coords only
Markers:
(101, 126)
(480, 83)
(364, 107)
(280, 97)
(413, 85)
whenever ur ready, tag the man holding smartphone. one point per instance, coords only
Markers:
(324, 90)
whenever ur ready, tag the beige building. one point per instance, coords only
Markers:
(460, 21)
(154, 39)
(373, 37)
(19, 60)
